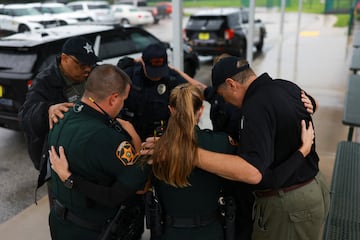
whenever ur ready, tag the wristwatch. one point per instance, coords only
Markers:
(69, 182)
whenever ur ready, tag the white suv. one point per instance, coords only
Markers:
(21, 18)
(62, 13)
(99, 11)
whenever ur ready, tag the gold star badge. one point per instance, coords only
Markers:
(126, 152)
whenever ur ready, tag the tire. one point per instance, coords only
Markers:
(260, 45)
(242, 49)
(23, 28)
(62, 23)
(189, 68)
(124, 21)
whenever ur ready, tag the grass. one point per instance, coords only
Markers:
(342, 20)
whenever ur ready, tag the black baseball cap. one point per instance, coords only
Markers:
(82, 49)
(226, 68)
(156, 61)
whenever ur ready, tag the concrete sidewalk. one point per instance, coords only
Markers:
(323, 53)
(32, 223)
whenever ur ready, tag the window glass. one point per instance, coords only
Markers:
(234, 19)
(98, 6)
(76, 7)
(119, 43)
(210, 22)
(25, 11)
(18, 62)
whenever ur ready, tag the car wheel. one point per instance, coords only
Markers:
(242, 49)
(23, 28)
(156, 21)
(260, 45)
(62, 23)
(124, 21)
(189, 68)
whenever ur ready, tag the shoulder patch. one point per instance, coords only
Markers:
(125, 152)
(232, 141)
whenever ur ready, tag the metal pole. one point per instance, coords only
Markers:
(250, 35)
(178, 53)
(283, 3)
(297, 40)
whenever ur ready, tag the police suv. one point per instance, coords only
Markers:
(23, 55)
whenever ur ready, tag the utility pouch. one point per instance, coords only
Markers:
(121, 227)
(153, 212)
(228, 212)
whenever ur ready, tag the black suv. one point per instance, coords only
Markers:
(23, 55)
(215, 31)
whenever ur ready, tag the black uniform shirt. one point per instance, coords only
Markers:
(270, 133)
(147, 104)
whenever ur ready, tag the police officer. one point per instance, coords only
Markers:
(189, 206)
(226, 117)
(152, 82)
(53, 92)
(99, 149)
(269, 133)
(147, 105)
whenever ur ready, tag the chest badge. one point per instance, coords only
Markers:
(161, 89)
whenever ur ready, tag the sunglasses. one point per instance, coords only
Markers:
(81, 65)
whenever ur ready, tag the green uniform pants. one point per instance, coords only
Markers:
(295, 215)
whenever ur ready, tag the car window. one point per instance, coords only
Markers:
(98, 6)
(17, 62)
(234, 19)
(245, 16)
(76, 7)
(118, 10)
(62, 9)
(118, 43)
(25, 12)
(210, 22)
(142, 40)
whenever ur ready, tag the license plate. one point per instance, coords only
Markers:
(204, 36)
(6, 102)
(1, 91)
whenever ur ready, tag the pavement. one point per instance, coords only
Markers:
(317, 60)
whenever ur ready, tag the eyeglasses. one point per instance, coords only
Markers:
(81, 65)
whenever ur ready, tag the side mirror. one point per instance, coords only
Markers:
(166, 45)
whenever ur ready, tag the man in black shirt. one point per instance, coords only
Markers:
(292, 199)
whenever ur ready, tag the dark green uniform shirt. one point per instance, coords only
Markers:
(199, 199)
(98, 153)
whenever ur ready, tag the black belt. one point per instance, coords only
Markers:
(65, 214)
(193, 221)
(274, 192)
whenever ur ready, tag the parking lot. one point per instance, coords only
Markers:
(317, 62)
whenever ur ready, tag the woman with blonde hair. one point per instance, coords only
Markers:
(188, 195)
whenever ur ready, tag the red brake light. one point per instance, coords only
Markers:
(229, 34)
(29, 83)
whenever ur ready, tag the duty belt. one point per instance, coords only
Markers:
(193, 221)
(65, 214)
(274, 192)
